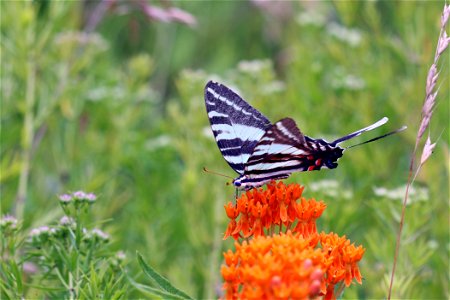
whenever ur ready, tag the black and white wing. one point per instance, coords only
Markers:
(236, 125)
(282, 150)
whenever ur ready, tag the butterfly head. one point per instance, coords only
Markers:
(240, 183)
(329, 160)
(243, 182)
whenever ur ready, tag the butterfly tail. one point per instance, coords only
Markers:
(379, 137)
(359, 132)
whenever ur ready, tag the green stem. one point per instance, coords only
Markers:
(61, 279)
(78, 241)
(78, 228)
(216, 249)
(71, 288)
(87, 260)
(402, 218)
(28, 128)
(340, 290)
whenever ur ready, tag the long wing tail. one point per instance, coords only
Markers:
(379, 137)
(357, 133)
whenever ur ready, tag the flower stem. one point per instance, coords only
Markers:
(402, 219)
(28, 127)
(216, 248)
(427, 112)
(340, 290)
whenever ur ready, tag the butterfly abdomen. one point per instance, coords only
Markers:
(323, 154)
(326, 159)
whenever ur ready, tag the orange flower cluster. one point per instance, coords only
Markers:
(290, 266)
(344, 257)
(278, 267)
(301, 264)
(260, 209)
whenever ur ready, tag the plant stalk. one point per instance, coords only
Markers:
(28, 128)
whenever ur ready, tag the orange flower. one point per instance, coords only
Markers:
(290, 266)
(283, 266)
(308, 211)
(344, 258)
(232, 213)
(300, 264)
(259, 211)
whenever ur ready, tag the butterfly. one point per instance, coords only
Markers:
(260, 151)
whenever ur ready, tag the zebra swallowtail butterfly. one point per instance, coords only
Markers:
(260, 151)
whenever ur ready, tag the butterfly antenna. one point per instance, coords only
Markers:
(216, 173)
(379, 137)
(357, 133)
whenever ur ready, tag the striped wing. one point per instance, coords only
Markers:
(236, 125)
(282, 150)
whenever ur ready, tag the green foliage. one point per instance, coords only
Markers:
(165, 288)
(119, 111)
(65, 260)
(11, 285)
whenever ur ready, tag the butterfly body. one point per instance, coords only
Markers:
(260, 151)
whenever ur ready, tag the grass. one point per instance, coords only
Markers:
(119, 112)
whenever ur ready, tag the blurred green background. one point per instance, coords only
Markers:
(107, 97)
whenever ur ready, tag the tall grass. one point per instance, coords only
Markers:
(428, 108)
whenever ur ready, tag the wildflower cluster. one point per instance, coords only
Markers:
(69, 226)
(8, 224)
(78, 197)
(66, 229)
(260, 209)
(344, 258)
(69, 247)
(77, 203)
(282, 266)
(9, 227)
(298, 264)
(11, 241)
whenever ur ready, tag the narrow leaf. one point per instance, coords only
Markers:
(153, 291)
(17, 275)
(46, 288)
(160, 280)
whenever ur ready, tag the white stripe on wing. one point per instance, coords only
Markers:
(272, 165)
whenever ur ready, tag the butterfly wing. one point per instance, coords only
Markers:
(236, 125)
(282, 150)
(359, 132)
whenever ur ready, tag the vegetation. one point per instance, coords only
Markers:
(107, 97)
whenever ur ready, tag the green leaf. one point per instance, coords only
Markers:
(5, 291)
(46, 288)
(152, 291)
(160, 280)
(18, 276)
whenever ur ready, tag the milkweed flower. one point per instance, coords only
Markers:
(278, 205)
(344, 258)
(298, 264)
(278, 267)
(290, 266)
